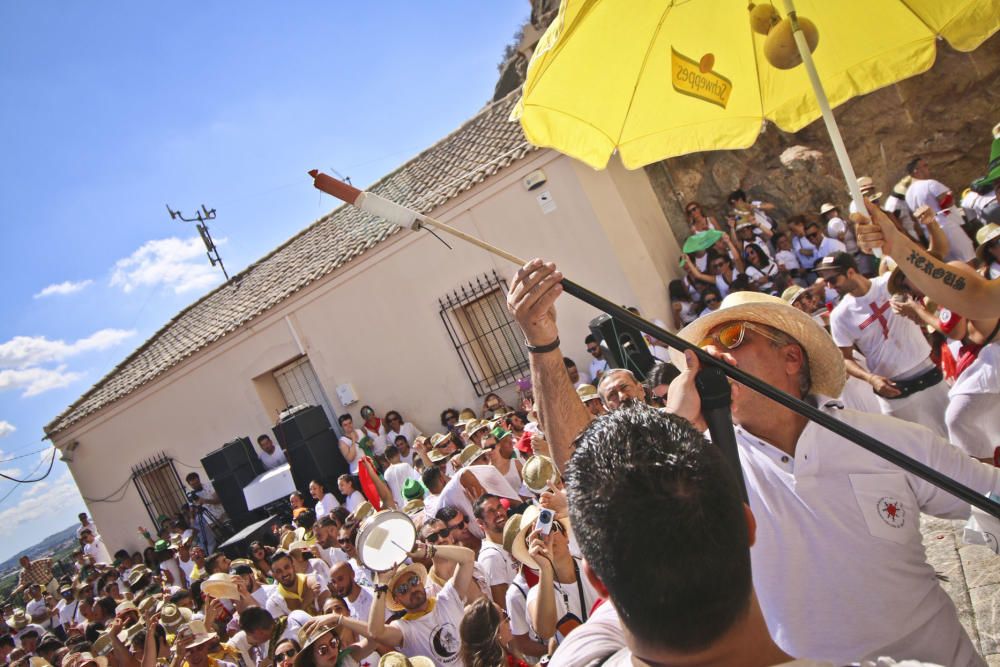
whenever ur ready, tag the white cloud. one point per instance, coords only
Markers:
(6, 428)
(12, 472)
(35, 381)
(178, 263)
(27, 351)
(38, 502)
(63, 288)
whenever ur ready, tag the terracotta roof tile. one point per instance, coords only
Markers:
(478, 149)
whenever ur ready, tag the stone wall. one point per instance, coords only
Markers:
(945, 115)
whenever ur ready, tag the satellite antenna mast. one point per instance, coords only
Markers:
(202, 217)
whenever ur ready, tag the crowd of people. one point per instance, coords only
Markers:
(594, 523)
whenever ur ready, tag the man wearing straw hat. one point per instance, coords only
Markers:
(430, 625)
(818, 499)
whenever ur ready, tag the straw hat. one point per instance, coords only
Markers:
(148, 605)
(102, 645)
(307, 639)
(437, 439)
(437, 456)
(985, 234)
(198, 633)
(744, 225)
(172, 616)
(538, 473)
(83, 659)
(826, 362)
(475, 426)
(414, 506)
(587, 393)
(466, 414)
(470, 455)
(362, 512)
(518, 548)
(413, 568)
(510, 531)
(221, 585)
(137, 573)
(396, 659)
(793, 293)
(125, 607)
(19, 620)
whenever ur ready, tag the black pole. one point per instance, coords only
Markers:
(716, 400)
(863, 440)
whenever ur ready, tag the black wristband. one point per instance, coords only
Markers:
(381, 588)
(539, 349)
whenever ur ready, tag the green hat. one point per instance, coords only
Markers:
(702, 240)
(500, 433)
(412, 489)
(161, 546)
(992, 168)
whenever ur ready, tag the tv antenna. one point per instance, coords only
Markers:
(200, 219)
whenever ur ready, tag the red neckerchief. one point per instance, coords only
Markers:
(516, 662)
(378, 425)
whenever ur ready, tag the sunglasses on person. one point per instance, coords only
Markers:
(731, 336)
(591, 348)
(328, 647)
(710, 300)
(406, 586)
(344, 540)
(287, 655)
(458, 526)
(692, 209)
(433, 538)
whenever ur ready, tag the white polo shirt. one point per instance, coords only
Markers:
(890, 343)
(408, 430)
(839, 564)
(274, 459)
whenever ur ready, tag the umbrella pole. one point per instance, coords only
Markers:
(377, 205)
(839, 149)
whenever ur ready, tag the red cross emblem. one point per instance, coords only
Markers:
(878, 316)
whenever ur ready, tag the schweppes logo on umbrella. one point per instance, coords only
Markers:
(696, 79)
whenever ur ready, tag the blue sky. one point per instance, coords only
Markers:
(113, 110)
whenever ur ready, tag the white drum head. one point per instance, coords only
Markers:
(385, 539)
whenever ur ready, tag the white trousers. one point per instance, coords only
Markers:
(925, 407)
(974, 423)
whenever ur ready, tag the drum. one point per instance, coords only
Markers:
(385, 540)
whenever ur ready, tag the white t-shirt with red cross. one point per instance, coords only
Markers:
(891, 344)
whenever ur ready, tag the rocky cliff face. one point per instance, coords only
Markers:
(945, 115)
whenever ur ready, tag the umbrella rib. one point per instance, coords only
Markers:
(638, 78)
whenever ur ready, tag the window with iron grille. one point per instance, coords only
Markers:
(159, 486)
(484, 335)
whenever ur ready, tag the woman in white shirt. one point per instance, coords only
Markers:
(352, 497)
(760, 270)
(325, 501)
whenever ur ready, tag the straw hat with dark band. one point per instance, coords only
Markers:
(413, 568)
(826, 362)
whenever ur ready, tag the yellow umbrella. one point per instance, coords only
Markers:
(656, 78)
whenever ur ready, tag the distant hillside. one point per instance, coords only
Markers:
(52, 543)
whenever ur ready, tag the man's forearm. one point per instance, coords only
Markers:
(561, 412)
(455, 553)
(855, 369)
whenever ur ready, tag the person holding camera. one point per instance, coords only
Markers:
(563, 598)
(206, 508)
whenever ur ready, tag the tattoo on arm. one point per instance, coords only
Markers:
(928, 266)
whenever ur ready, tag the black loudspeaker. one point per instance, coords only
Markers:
(624, 345)
(232, 455)
(229, 488)
(317, 457)
(301, 425)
